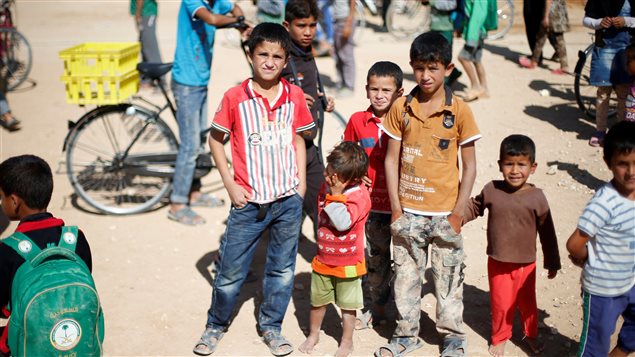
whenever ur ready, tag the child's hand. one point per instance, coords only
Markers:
(309, 100)
(552, 274)
(395, 216)
(455, 222)
(618, 22)
(576, 261)
(336, 186)
(366, 181)
(238, 195)
(330, 104)
(606, 22)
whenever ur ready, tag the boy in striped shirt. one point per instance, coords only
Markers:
(604, 246)
(264, 117)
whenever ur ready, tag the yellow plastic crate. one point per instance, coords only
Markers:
(92, 59)
(101, 90)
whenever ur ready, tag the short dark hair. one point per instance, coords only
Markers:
(517, 145)
(386, 69)
(349, 161)
(301, 9)
(270, 32)
(619, 140)
(431, 47)
(28, 177)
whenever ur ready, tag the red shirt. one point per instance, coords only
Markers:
(262, 138)
(364, 128)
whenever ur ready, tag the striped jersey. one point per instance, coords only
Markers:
(262, 138)
(609, 219)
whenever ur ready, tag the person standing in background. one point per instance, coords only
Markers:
(145, 13)
(344, 29)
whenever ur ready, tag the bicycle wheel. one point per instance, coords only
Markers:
(120, 159)
(585, 93)
(406, 19)
(15, 57)
(505, 19)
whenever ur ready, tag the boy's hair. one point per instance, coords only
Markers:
(630, 53)
(517, 145)
(28, 177)
(619, 140)
(270, 32)
(386, 69)
(431, 47)
(349, 161)
(301, 9)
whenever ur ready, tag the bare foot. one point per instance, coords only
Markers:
(309, 344)
(497, 350)
(535, 345)
(345, 349)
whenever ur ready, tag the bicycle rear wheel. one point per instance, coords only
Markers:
(505, 19)
(406, 19)
(15, 57)
(120, 159)
(585, 93)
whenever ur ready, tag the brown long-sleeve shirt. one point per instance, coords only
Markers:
(513, 221)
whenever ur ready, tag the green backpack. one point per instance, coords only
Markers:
(55, 309)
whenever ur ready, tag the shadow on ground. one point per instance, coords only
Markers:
(580, 175)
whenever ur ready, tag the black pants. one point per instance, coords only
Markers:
(314, 179)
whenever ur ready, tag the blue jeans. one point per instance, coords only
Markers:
(191, 115)
(236, 252)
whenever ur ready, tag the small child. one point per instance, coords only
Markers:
(264, 117)
(343, 204)
(26, 187)
(517, 211)
(630, 97)
(383, 87)
(604, 246)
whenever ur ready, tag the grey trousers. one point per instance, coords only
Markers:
(148, 37)
(344, 55)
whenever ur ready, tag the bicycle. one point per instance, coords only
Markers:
(15, 51)
(406, 19)
(585, 93)
(120, 158)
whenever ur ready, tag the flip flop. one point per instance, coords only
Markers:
(399, 347)
(205, 200)
(597, 139)
(364, 321)
(186, 216)
(453, 347)
(278, 345)
(12, 124)
(526, 62)
(208, 342)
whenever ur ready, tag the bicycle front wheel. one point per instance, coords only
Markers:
(406, 19)
(15, 57)
(585, 93)
(120, 159)
(505, 11)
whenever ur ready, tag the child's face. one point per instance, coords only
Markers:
(332, 179)
(268, 60)
(516, 170)
(430, 76)
(622, 165)
(302, 31)
(382, 92)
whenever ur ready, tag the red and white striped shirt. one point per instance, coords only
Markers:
(262, 138)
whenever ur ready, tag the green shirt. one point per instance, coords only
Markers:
(149, 8)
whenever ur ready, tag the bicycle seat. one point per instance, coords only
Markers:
(154, 70)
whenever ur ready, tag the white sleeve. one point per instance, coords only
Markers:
(630, 22)
(591, 23)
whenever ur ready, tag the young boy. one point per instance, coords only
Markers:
(383, 87)
(264, 117)
(301, 18)
(344, 204)
(470, 56)
(604, 246)
(517, 211)
(26, 186)
(427, 199)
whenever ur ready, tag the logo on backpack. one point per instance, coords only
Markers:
(66, 334)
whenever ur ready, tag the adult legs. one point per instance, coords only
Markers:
(376, 283)
(314, 179)
(345, 56)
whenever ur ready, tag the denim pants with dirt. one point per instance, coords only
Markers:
(412, 235)
(238, 245)
(376, 283)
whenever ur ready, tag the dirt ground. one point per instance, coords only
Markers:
(152, 274)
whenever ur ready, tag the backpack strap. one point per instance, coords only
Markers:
(23, 245)
(68, 238)
(413, 93)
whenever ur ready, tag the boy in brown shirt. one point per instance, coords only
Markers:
(517, 211)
